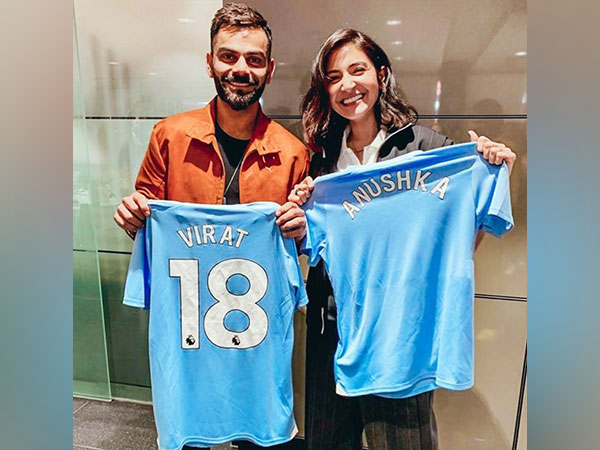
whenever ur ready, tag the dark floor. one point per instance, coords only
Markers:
(114, 426)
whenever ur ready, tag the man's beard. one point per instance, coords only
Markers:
(239, 100)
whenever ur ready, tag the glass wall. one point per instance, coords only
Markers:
(462, 64)
(90, 370)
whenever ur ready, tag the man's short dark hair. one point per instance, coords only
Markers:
(238, 15)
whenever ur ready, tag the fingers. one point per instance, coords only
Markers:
(131, 208)
(142, 203)
(483, 143)
(285, 208)
(127, 220)
(506, 155)
(132, 212)
(298, 223)
(299, 196)
(499, 153)
(309, 183)
(297, 234)
(494, 152)
(291, 220)
(288, 212)
(302, 191)
(484, 148)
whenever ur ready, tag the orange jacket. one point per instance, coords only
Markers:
(183, 161)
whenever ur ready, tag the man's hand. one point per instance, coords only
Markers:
(301, 192)
(291, 220)
(494, 152)
(132, 212)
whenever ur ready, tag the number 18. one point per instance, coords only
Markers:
(188, 272)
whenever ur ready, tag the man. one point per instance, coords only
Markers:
(229, 151)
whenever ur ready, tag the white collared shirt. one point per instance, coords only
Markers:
(347, 157)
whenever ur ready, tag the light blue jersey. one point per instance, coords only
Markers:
(397, 238)
(222, 286)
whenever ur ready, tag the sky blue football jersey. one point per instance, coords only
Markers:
(397, 239)
(222, 286)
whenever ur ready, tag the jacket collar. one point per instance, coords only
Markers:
(204, 129)
(397, 137)
(400, 138)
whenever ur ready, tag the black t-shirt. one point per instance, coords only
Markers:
(232, 152)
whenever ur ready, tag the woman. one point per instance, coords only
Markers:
(352, 115)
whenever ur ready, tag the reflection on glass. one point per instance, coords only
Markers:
(127, 330)
(90, 366)
(483, 417)
(473, 51)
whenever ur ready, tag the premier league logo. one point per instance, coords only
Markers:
(236, 340)
(190, 340)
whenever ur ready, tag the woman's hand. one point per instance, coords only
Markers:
(301, 192)
(494, 152)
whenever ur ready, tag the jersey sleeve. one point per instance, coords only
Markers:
(294, 276)
(314, 243)
(137, 284)
(492, 198)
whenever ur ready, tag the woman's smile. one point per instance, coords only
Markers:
(352, 100)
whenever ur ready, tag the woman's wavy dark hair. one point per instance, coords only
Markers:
(323, 127)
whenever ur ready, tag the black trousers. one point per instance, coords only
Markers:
(337, 422)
